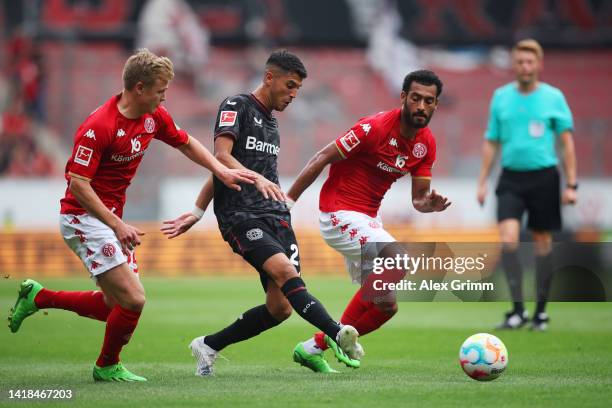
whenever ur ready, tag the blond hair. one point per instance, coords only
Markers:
(529, 45)
(146, 67)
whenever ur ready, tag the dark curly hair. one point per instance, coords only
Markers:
(423, 77)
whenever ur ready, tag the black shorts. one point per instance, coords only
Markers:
(258, 239)
(537, 192)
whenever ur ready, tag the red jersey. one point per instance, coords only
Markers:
(108, 148)
(375, 155)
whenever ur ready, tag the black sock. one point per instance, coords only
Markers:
(309, 307)
(514, 274)
(544, 274)
(250, 324)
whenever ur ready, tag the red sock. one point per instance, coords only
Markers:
(88, 304)
(119, 328)
(353, 312)
(371, 320)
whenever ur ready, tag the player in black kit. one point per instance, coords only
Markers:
(256, 223)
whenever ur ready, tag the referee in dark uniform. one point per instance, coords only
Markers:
(527, 119)
(256, 223)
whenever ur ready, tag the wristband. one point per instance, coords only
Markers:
(572, 186)
(289, 203)
(197, 212)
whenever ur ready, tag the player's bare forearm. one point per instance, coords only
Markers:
(426, 201)
(89, 200)
(196, 152)
(313, 169)
(489, 151)
(206, 194)
(569, 157)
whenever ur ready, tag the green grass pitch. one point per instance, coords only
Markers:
(412, 361)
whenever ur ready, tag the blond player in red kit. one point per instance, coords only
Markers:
(108, 148)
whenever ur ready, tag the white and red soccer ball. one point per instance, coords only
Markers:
(483, 357)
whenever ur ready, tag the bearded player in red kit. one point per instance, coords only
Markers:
(364, 163)
(108, 147)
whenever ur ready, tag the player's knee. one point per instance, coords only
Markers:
(134, 301)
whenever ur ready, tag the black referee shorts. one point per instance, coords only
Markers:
(537, 192)
(258, 239)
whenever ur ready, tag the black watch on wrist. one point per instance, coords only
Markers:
(572, 186)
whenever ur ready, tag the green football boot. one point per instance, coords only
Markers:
(316, 362)
(115, 372)
(24, 306)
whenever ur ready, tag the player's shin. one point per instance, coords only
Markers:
(308, 307)
(120, 326)
(249, 324)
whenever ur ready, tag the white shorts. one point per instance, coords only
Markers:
(347, 232)
(94, 243)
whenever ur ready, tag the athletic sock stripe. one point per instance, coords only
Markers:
(291, 292)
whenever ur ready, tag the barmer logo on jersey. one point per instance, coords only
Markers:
(83, 155)
(419, 150)
(227, 118)
(254, 234)
(149, 125)
(253, 144)
(349, 141)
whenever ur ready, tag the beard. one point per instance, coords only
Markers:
(413, 120)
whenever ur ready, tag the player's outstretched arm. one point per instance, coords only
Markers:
(489, 151)
(127, 235)
(425, 201)
(311, 171)
(181, 224)
(195, 151)
(223, 152)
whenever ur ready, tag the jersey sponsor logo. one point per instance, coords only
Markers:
(136, 145)
(254, 234)
(227, 118)
(419, 150)
(393, 142)
(258, 122)
(253, 144)
(108, 250)
(349, 141)
(83, 155)
(366, 128)
(390, 169)
(400, 161)
(119, 158)
(149, 125)
(120, 133)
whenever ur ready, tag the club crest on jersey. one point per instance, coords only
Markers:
(254, 234)
(419, 150)
(349, 141)
(83, 155)
(149, 125)
(227, 118)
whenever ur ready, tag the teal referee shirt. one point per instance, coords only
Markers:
(526, 125)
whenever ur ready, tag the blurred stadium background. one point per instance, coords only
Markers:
(60, 59)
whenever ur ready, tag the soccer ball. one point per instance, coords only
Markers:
(483, 357)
